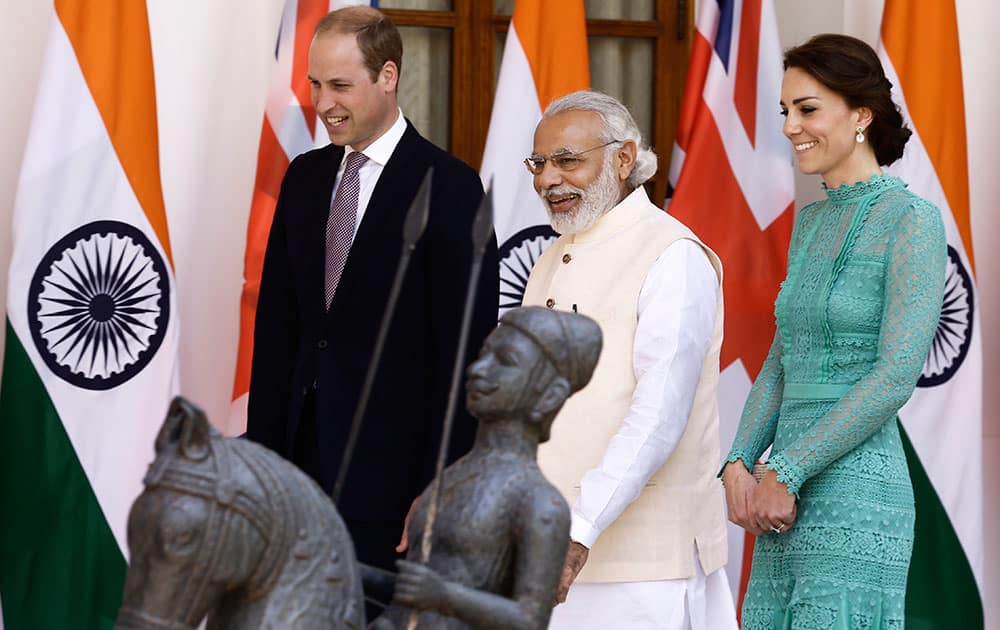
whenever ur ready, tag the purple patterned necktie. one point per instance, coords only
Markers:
(340, 223)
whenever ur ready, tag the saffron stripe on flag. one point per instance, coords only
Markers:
(111, 40)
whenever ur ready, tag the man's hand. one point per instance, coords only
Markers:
(418, 586)
(576, 557)
(404, 539)
(773, 507)
(740, 487)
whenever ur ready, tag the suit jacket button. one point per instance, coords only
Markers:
(550, 302)
(567, 258)
(321, 344)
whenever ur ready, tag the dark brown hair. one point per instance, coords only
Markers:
(378, 39)
(850, 67)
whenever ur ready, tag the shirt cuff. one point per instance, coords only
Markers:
(581, 531)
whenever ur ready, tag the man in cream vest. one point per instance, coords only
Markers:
(635, 452)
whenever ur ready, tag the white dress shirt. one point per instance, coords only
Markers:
(378, 153)
(676, 315)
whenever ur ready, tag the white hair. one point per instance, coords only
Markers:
(618, 126)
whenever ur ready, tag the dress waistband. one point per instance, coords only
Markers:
(817, 391)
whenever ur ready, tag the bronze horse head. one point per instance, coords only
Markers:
(228, 529)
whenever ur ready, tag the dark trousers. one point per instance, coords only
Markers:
(374, 541)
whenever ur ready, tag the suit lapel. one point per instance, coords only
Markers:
(317, 210)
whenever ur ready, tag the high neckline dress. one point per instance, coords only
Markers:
(855, 316)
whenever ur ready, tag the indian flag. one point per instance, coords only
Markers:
(91, 360)
(545, 57)
(920, 52)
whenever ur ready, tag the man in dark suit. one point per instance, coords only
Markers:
(325, 284)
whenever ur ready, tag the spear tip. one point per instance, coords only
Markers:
(416, 216)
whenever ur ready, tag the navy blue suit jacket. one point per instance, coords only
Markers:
(298, 343)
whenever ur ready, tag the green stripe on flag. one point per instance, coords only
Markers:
(941, 592)
(60, 566)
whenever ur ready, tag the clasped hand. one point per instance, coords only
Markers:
(758, 507)
(419, 586)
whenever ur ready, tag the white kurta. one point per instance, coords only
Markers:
(676, 313)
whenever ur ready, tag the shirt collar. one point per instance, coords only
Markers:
(381, 150)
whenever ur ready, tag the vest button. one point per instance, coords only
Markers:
(567, 258)
(321, 344)
(550, 302)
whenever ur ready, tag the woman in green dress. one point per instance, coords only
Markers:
(856, 315)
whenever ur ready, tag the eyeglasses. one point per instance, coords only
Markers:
(565, 160)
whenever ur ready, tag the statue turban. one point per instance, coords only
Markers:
(571, 342)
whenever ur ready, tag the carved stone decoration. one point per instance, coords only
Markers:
(228, 529)
(500, 536)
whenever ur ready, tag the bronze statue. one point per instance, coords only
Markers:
(229, 529)
(502, 530)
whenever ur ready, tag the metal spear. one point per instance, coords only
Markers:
(482, 228)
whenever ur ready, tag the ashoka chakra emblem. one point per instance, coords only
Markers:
(517, 256)
(954, 329)
(99, 304)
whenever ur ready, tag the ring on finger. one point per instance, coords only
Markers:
(777, 530)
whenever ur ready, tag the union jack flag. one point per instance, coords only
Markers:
(733, 184)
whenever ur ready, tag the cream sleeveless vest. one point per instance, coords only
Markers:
(600, 272)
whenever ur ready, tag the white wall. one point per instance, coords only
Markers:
(212, 60)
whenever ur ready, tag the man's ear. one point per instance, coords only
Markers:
(625, 160)
(388, 76)
(553, 397)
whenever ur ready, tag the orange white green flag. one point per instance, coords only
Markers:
(545, 57)
(919, 48)
(92, 334)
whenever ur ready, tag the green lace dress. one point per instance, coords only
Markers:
(855, 319)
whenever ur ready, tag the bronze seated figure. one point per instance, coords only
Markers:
(502, 530)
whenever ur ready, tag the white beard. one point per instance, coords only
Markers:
(595, 202)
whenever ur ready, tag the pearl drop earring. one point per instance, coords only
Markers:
(861, 136)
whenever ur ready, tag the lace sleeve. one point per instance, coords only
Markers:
(759, 420)
(914, 287)
(760, 413)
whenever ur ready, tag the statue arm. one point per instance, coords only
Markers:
(378, 584)
(537, 566)
(422, 588)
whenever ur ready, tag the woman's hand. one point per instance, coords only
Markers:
(740, 487)
(773, 507)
